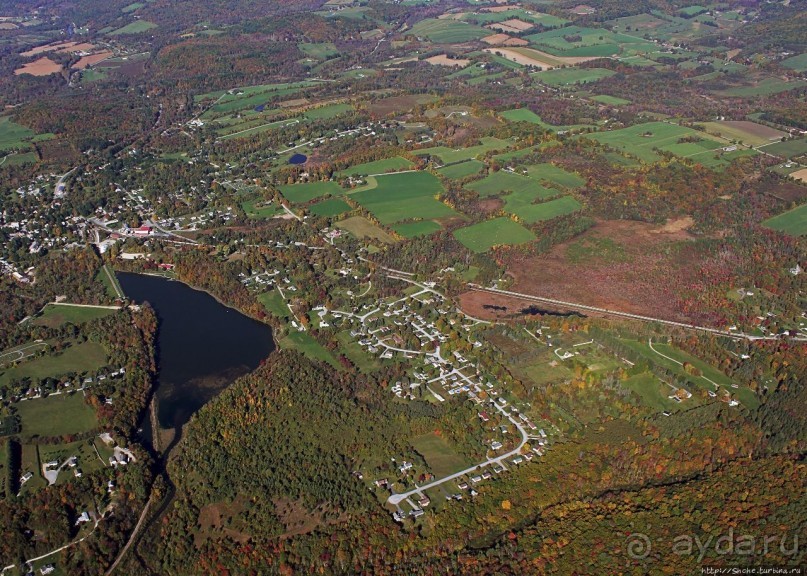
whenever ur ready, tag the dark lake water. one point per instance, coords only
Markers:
(202, 345)
(298, 159)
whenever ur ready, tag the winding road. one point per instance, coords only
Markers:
(396, 499)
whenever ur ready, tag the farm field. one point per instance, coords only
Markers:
(749, 133)
(399, 197)
(14, 136)
(502, 181)
(320, 51)
(303, 193)
(325, 112)
(462, 170)
(55, 316)
(251, 127)
(415, 229)
(450, 155)
(525, 115)
(361, 227)
(78, 358)
(247, 91)
(564, 76)
(441, 459)
(555, 175)
(56, 415)
(591, 42)
(787, 148)
(447, 31)
(13, 159)
(610, 100)
(521, 115)
(798, 63)
(330, 207)
(522, 205)
(765, 87)
(793, 222)
(533, 57)
(134, 28)
(499, 231)
(640, 140)
(394, 164)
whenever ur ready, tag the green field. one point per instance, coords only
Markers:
(134, 28)
(132, 7)
(327, 112)
(521, 115)
(56, 415)
(414, 229)
(564, 76)
(555, 175)
(19, 159)
(439, 456)
(356, 354)
(579, 41)
(447, 31)
(30, 463)
(793, 222)
(260, 208)
(330, 207)
(251, 127)
(247, 91)
(79, 358)
(640, 140)
(361, 227)
(652, 391)
(499, 231)
(522, 205)
(525, 115)
(462, 170)
(502, 182)
(320, 51)
(451, 155)
(765, 87)
(55, 316)
(787, 148)
(302, 193)
(798, 63)
(405, 196)
(394, 164)
(274, 304)
(610, 100)
(709, 373)
(306, 345)
(13, 136)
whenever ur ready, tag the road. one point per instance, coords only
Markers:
(283, 122)
(86, 305)
(396, 499)
(130, 540)
(20, 353)
(650, 344)
(113, 281)
(586, 308)
(61, 188)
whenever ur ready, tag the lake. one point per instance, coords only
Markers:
(298, 159)
(202, 345)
